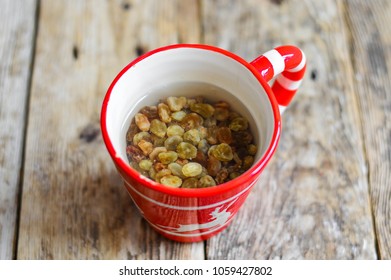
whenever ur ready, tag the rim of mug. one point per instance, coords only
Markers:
(257, 167)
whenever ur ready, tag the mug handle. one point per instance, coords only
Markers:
(288, 64)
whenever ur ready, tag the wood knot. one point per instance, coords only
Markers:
(277, 2)
(75, 52)
(89, 133)
(314, 75)
(126, 6)
(140, 50)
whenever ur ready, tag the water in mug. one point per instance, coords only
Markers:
(209, 92)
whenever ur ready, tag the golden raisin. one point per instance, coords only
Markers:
(176, 103)
(176, 169)
(172, 142)
(204, 109)
(145, 164)
(161, 174)
(156, 151)
(145, 146)
(190, 183)
(191, 121)
(168, 157)
(238, 123)
(142, 122)
(164, 112)
(141, 136)
(175, 130)
(223, 152)
(206, 181)
(221, 114)
(178, 116)
(186, 150)
(192, 169)
(192, 136)
(158, 128)
(171, 181)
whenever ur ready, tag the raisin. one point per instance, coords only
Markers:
(192, 169)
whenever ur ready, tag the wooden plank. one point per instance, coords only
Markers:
(74, 205)
(312, 200)
(17, 28)
(371, 53)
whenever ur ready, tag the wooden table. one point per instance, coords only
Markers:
(326, 193)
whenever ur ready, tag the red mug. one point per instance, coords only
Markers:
(191, 215)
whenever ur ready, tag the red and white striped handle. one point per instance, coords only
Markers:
(288, 63)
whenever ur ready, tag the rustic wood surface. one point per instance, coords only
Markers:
(371, 56)
(325, 195)
(17, 30)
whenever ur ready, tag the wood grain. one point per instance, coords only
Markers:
(371, 53)
(17, 27)
(73, 204)
(312, 200)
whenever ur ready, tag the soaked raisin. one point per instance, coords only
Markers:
(176, 169)
(222, 175)
(164, 112)
(204, 109)
(203, 146)
(142, 122)
(161, 174)
(145, 164)
(221, 114)
(176, 103)
(158, 128)
(192, 136)
(200, 158)
(168, 157)
(192, 169)
(191, 121)
(141, 136)
(172, 142)
(247, 162)
(252, 149)
(175, 130)
(224, 135)
(171, 181)
(134, 153)
(223, 152)
(145, 146)
(156, 151)
(213, 166)
(186, 150)
(190, 183)
(206, 181)
(242, 138)
(150, 112)
(178, 116)
(212, 135)
(238, 124)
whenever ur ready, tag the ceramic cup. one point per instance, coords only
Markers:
(191, 215)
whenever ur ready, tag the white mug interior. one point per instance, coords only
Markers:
(157, 76)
